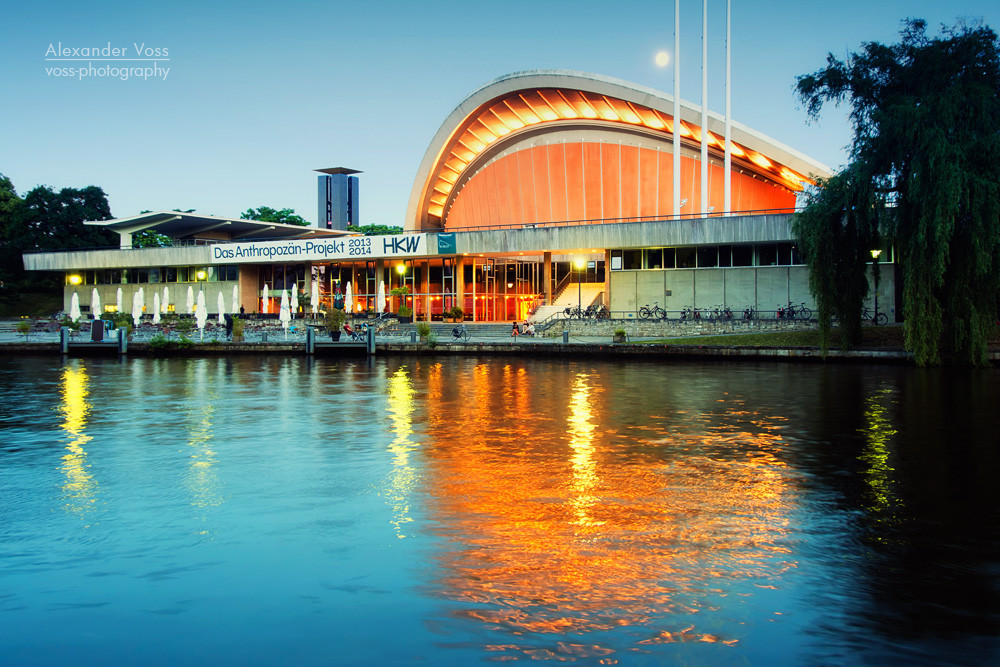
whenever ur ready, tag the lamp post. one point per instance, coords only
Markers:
(875, 254)
(401, 270)
(579, 286)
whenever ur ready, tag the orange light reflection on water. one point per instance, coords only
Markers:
(562, 521)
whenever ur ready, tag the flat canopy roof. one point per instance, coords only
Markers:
(337, 170)
(188, 226)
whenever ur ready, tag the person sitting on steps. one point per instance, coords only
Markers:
(516, 332)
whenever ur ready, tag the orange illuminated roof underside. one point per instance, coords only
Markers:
(534, 107)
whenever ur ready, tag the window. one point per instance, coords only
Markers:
(708, 257)
(725, 256)
(654, 258)
(784, 254)
(686, 258)
(632, 259)
(742, 255)
(767, 254)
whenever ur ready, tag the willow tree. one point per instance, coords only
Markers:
(837, 232)
(926, 146)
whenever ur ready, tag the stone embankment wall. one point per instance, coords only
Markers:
(674, 328)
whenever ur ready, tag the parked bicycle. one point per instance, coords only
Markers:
(461, 333)
(573, 312)
(597, 312)
(689, 314)
(749, 313)
(724, 313)
(792, 311)
(874, 317)
(653, 312)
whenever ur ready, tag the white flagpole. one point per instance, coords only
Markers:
(677, 108)
(728, 167)
(704, 107)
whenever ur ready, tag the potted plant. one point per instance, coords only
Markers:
(334, 322)
(424, 331)
(620, 336)
(456, 314)
(404, 313)
(24, 328)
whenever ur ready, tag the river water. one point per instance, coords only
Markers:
(455, 511)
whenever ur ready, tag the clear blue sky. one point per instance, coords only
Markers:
(261, 93)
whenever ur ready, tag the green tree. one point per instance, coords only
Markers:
(836, 233)
(285, 216)
(375, 230)
(48, 220)
(147, 238)
(926, 149)
(11, 215)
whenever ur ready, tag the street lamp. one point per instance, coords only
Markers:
(875, 254)
(401, 270)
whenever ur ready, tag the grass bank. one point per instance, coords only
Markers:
(873, 337)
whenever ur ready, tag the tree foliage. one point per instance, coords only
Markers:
(47, 220)
(147, 238)
(285, 216)
(926, 120)
(375, 230)
(837, 232)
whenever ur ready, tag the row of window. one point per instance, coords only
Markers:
(165, 274)
(705, 257)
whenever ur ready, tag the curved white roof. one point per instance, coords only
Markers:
(638, 106)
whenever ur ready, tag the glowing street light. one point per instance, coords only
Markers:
(875, 254)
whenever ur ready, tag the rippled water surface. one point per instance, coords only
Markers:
(460, 511)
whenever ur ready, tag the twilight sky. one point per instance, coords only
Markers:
(260, 93)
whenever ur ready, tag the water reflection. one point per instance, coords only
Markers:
(404, 477)
(613, 532)
(556, 510)
(881, 499)
(202, 479)
(80, 489)
(581, 430)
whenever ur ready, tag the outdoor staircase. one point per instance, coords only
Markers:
(583, 294)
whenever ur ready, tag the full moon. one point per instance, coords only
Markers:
(662, 58)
